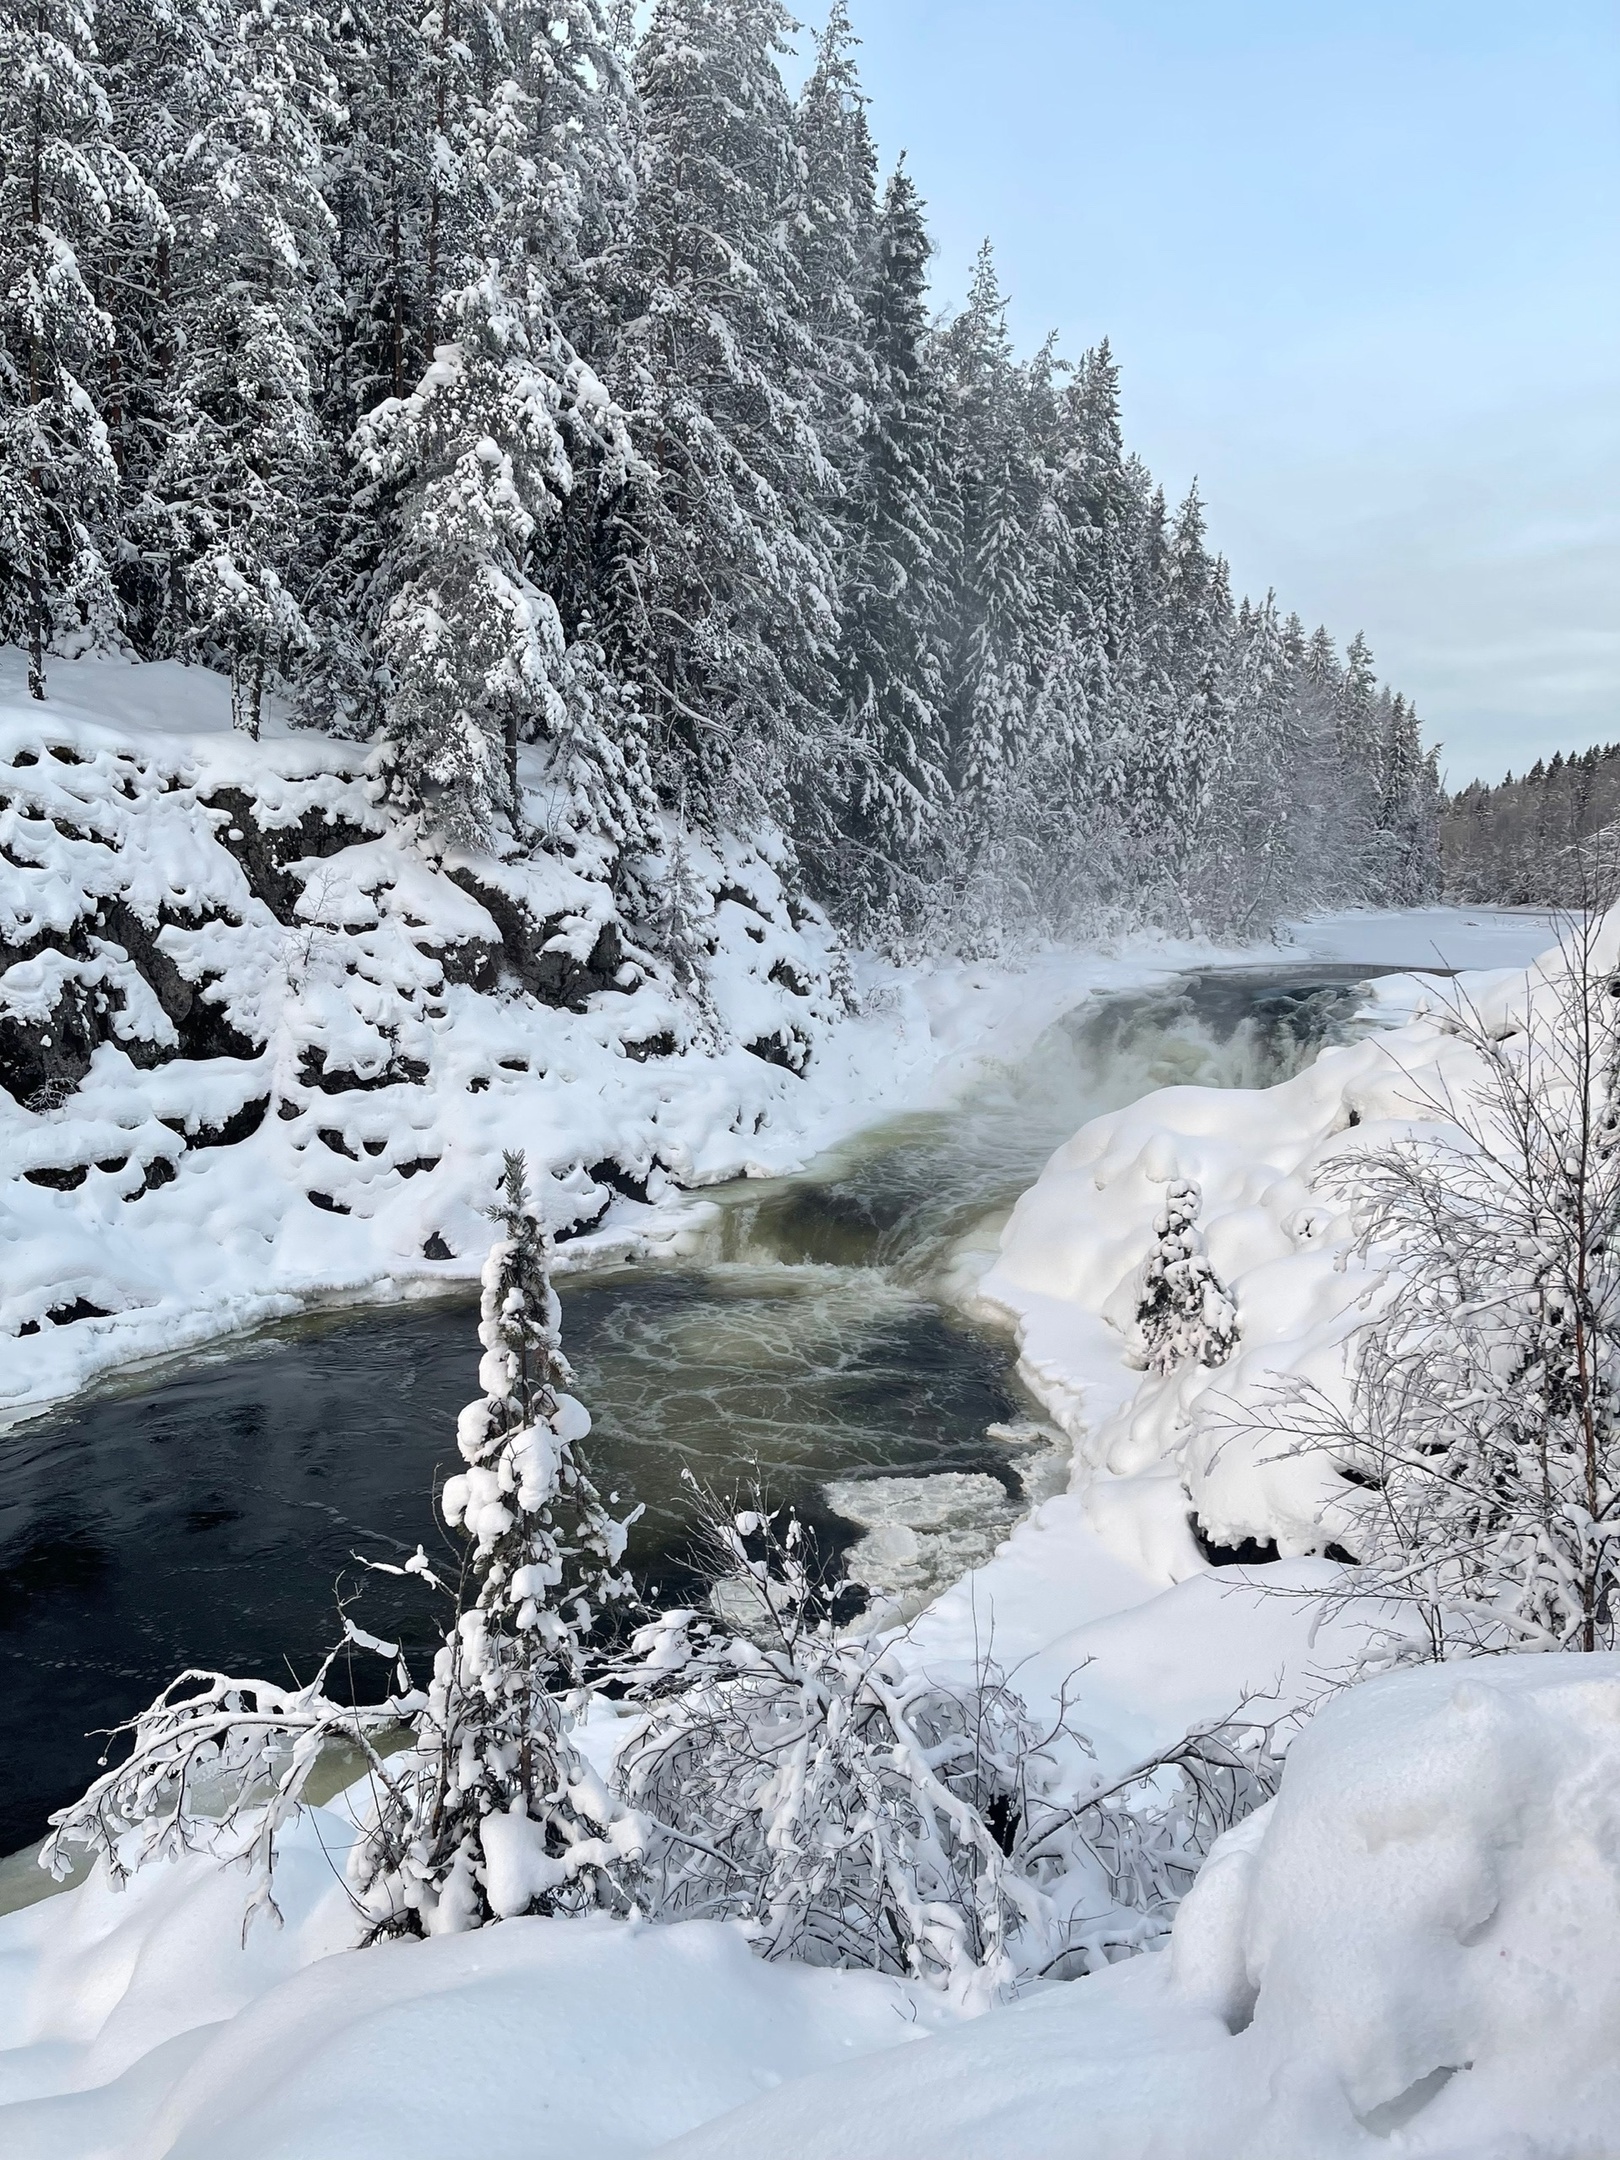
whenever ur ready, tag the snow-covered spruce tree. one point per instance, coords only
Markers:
(813, 1785)
(62, 178)
(1273, 772)
(561, 162)
(493, 1812)
(1189, 719)
(405, 179)
(894, 602)
(1183, 1310)
(481, 466)
(1098, 492)
(723, 580)
(1409, 808)
(1480, 1439)
(999, 491)
(398, 186)
(473, 643)
(834, 217)
(227, 461)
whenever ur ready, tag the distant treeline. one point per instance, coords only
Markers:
(1518, 843)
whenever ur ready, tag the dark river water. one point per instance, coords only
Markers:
(204, 1514)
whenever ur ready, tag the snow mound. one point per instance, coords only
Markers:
(1170, 1474)
(141, 2024)
(1411, 1949)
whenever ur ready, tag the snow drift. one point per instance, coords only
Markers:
(1414, 1941)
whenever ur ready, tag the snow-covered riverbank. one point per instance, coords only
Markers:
(258, 1051)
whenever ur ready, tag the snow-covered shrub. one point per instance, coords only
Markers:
(1480, 1435)
(852, 1809)
(1183, 1310)
(1115, 1862)
(213, 1753)
(816, 1786)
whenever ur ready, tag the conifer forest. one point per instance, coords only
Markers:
(499, 372)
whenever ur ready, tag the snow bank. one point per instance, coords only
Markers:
(140, 2023)
(1411, 1949)
(1164, 1461)
(256, 1048)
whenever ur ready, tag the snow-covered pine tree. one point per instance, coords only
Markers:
(494, 1812)
(723, 578)
(62, 180)
(483, 458)
(834, 217)
(894, 601)
(1183, 1310)
(225, 510)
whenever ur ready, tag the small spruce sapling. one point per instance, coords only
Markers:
(1183, 1309)
(496, 1813)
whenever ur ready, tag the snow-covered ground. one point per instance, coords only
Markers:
(1411, 1949)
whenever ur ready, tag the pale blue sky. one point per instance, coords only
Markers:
(1360, 261)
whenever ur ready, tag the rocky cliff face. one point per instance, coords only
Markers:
(237, 1001)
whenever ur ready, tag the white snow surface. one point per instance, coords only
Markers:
(1411, 1949)
(140, 2023)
